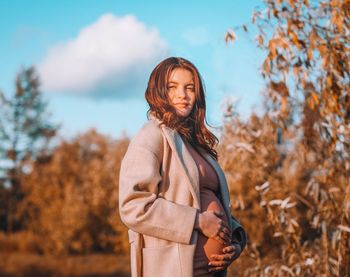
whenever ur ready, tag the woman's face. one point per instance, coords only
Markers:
(181, 91)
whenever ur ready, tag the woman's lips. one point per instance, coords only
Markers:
(182, 105)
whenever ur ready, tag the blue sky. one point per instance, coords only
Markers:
(94, 57)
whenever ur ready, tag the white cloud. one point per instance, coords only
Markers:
(112, 57)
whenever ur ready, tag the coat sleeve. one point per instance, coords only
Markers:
(140, 207)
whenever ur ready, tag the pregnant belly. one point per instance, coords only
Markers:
(209, 246)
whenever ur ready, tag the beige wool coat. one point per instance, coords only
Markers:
(159, 199)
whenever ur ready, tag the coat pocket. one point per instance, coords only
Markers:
(161, 261)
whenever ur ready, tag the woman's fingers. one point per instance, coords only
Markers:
(216, 269)
(219, 263)
(229, 249)
(225, 237)
(222, 238)
(224, 233)
(225, 225)
(234, 246)
(218, 213)
(227, 230)
(222, 257)
(212, 226)
(219, 239)
(233, 249)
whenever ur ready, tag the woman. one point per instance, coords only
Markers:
(173, 195)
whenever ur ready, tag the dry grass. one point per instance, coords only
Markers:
(33, 265)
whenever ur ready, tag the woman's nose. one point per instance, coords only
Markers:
(181, 93)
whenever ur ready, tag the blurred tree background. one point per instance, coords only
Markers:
(291, 166)
(25, 134)
(288, 169)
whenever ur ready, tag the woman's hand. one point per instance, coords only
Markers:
(212, 226)
(222, 261)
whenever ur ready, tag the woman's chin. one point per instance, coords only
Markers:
(183, 114)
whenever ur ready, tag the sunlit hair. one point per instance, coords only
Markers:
(192, 127)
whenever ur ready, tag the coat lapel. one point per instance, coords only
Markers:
(184, 158)
(189, 166)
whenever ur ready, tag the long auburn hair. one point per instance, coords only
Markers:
(192, 127)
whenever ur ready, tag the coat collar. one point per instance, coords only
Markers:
(189, 166)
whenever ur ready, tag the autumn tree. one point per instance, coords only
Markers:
(306, 69)
(71, 200)
(25, 133)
